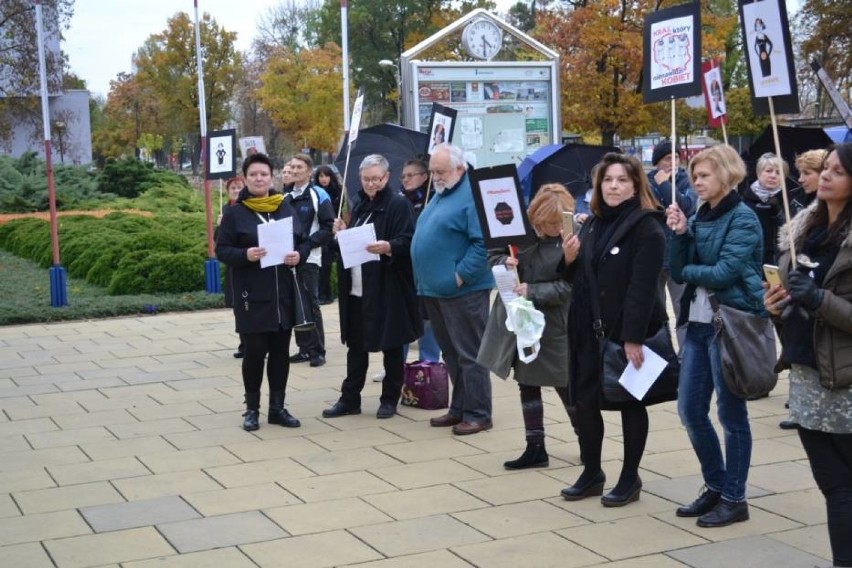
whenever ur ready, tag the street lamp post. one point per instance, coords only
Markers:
(391, 64)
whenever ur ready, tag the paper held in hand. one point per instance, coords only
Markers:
(506, 280)
(276, 237)
(638, 381)
(353, 245)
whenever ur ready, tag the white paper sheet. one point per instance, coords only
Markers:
(353, 245)
(506, 281)
(638, 381)
(277, 238)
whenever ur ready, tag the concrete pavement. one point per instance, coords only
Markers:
(120, 445)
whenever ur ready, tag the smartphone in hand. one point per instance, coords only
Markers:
(771, 273)
(567, 224)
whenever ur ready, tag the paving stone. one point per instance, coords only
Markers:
(782, 477)
(108, 548)
(29, 459)
(418, 535)
(512, 488)
(127, 448)
(325, 516)
(542, 550)
(811, 540)
(151, 486)
(519, 519)
(251, 450)
(633, 536)
(336, 486)
(322, 550)
(441, 558)
(29, 555)
(256, 473)
(425, 450)
(8, 508)
(361, 438)
(239, 499)
(325, 463)
(33, 528)
(424, 502)
(134, 514)
(137, 429)
(225, 557)
(89, 419)
(47, 411)
(15, 427)
(761, 522)
(652, 561)
(220, 531)
(25, 479)
(199, 458)
(754, 552)
(806, 507)
(74, 437)
(425, 474)
(232, 435)
(169, 411)
(63, 498)
(100, 470)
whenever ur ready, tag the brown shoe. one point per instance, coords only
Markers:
(465, 428)
(444, 421)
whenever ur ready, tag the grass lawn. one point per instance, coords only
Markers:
(25, 297)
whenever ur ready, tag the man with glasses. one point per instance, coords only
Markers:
(455, 282)
(415, 180)
(377, 300)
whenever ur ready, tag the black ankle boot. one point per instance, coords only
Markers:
(252, 414)
(534, 456)
(278, 414)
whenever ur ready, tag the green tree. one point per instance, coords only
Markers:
(167, 70)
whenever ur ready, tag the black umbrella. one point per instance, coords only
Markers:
(396, 143)
(570, 164)
(793, 140)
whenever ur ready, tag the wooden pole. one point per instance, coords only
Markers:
(344, 193)
(724, 131)
(674, 153)
(428, 189)
(783, 180)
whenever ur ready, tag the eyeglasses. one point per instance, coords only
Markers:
(372, 180)
(410, 175)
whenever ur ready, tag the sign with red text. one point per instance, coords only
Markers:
(672, 53)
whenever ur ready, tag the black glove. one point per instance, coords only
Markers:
(789, 307)
(804, 290)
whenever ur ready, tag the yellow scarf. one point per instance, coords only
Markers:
(266, 204)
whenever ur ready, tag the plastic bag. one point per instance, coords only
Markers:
(527, 323)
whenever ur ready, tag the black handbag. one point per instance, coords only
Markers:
(613, 361)
(747, 350)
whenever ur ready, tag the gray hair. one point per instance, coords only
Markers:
(769, 158)
(374, 160)
(455, 154)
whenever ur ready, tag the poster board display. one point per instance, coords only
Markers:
(221, 154)
(500, 206)
(506, 110)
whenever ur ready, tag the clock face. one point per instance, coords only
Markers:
(482, 39)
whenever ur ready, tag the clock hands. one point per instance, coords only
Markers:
(485, 46)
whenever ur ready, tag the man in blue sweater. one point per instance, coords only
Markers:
(452, 276)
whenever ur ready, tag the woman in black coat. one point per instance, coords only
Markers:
(378, 301)
(263, 297)
(623, 243)
(326, 178)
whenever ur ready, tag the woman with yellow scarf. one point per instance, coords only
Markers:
(263, 297)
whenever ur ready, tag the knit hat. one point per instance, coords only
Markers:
(661, 150)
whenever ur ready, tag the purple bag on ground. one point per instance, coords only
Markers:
(426, 385)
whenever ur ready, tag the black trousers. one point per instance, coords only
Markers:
(328, 256)
(830, 456)
(358, 361)
(311, 342)
(257, 346)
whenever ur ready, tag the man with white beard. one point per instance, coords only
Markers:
(452, 276)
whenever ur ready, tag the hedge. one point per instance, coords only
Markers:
(127, 254)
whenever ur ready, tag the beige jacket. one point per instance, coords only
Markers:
(833, 326)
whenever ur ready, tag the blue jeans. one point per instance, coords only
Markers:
(427, 345)
(458, 324)
(700, 376)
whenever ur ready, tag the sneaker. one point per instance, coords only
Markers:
(379, 377)
(300, 357)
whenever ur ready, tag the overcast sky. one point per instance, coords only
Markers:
(104, 35)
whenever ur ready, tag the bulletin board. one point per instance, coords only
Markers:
(506, 110)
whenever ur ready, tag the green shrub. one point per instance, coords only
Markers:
(130, 178)
(23, 185)
(170, 197)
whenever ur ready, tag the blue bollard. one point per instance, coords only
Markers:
(58, 286)
(212, 278)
